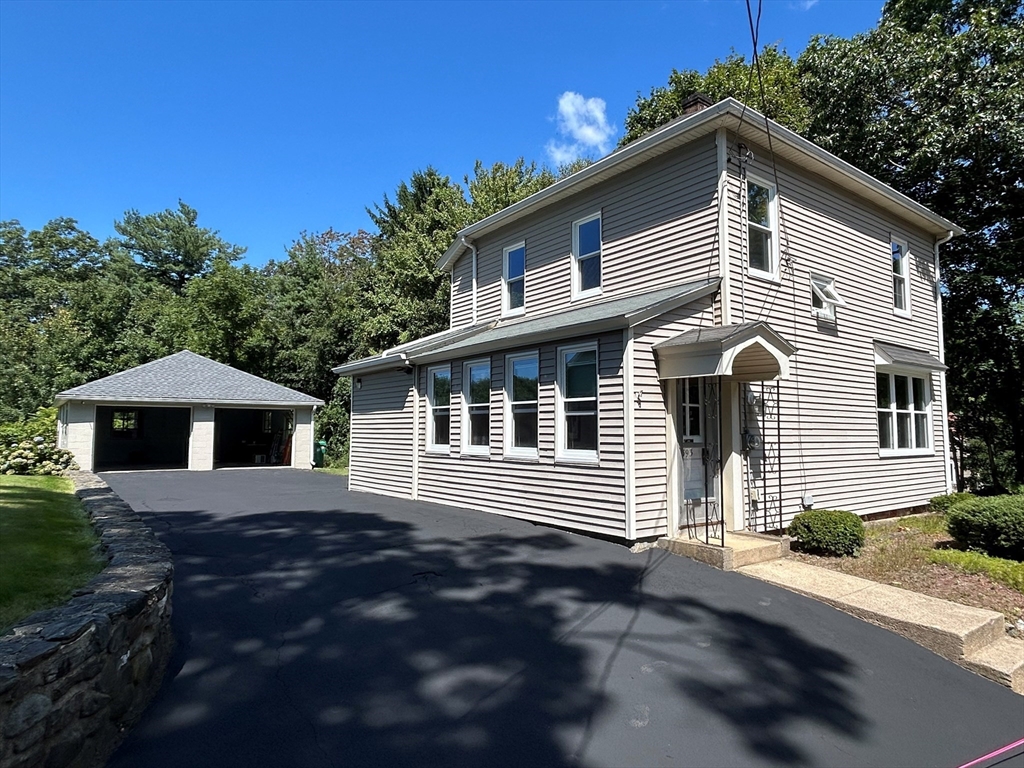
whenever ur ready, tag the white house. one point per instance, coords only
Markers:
(688, 333)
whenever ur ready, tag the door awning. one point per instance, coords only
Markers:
(742, 352)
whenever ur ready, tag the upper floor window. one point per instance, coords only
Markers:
(439, 399)
(521, 409)
(762, 228)
(514, 276)
(824, 296)
(586, 256)
(904, 412)
(900, 277)
(576, 403)
(476, 406)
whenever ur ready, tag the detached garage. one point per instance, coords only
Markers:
(185, 411)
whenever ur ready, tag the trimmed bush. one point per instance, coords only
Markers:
(942, 504)
(828, 531)
(994, 525)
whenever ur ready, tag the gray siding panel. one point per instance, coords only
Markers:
(659, 224)
(582, 497)
(650, 417)
(462, 291)
(829, 427)
(381, 456)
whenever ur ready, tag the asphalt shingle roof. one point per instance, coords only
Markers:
(503, 334)
(187, 377)
(907, 356)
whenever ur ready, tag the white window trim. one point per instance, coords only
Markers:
(906, 311)
(831, 302)
(773, 227)
(561, 452)
(432, 447)
(506, 311)
(912, 373)
(464, 427)
(510, 450)
(683, 402)
(577, 293)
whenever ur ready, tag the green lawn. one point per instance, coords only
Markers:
(333, 470)
(47, 546)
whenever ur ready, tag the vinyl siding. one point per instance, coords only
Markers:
(650, 423)
(302, 440)
(380, 456)
(462, 291)
(659, 227)
(582, 497)
(81, 430)
(829, 428)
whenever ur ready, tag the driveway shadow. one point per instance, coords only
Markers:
(348, 636)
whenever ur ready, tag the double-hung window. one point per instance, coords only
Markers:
(762, 229)
(900, 277)
(439, 401)
(824, 297)
(904, 412)
(586, 256)
(476, 406)
(576, 403)
(521, 387)
(513, 299)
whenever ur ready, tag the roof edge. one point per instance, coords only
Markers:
(681, 125)
(62, 397)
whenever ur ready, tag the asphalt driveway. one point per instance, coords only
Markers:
(318, 627)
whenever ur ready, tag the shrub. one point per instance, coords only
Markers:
(942, 504)
(994, 525)
(828, 531)
(35, 457)
(43, 424)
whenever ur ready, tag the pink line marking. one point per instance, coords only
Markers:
(990, 755)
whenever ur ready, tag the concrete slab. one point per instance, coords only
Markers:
(1002, 661)
(949, 629)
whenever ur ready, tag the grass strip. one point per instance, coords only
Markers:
(48, 548)
(1008, 572)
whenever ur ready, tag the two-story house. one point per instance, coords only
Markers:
(693, 329)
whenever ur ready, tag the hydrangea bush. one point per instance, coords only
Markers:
(37, 456)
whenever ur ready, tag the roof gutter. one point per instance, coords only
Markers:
(398, 361)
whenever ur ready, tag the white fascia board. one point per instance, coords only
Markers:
(173, 401)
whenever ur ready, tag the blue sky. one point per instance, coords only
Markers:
(273, 118)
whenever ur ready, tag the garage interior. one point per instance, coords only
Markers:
(141, 438)
(252, 437)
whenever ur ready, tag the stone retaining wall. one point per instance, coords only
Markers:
(74, 678)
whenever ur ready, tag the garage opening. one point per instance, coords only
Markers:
(252, 437)
(141, 438)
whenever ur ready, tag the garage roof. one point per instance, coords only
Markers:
(186, 377)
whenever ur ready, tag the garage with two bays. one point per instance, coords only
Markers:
(185, 411)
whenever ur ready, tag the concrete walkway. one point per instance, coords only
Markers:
(972, 637)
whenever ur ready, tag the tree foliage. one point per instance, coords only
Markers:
(732, 76)
(172, 246)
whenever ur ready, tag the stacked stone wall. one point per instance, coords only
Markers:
(74, 678)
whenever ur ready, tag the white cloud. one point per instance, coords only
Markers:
(583, 128)
(804, 5)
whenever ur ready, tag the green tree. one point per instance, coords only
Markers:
(501, 185)
(931, 102)
(733, 76)
(172, 246)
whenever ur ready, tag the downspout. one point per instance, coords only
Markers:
(722, 144)
(946, 449)
(472, 247)
(312, 436)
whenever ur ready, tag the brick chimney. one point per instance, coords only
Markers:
(695, 103)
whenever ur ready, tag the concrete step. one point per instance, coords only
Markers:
(949, 629)
(1002, 661)
(741, 549)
